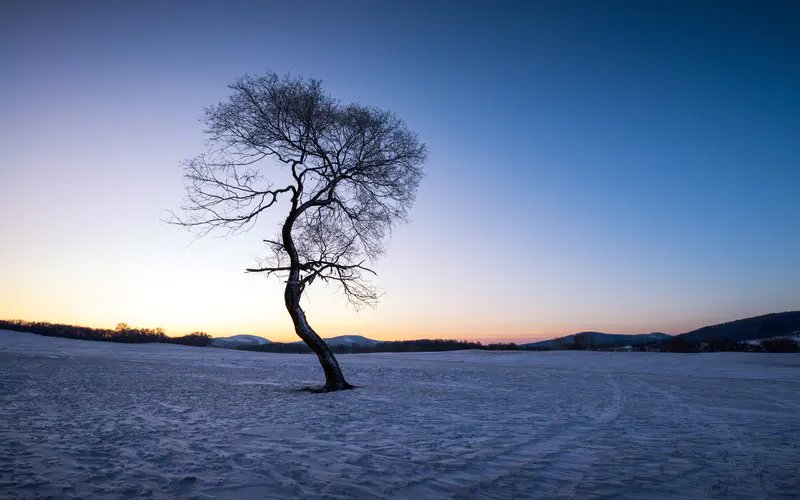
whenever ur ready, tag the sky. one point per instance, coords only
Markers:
(617, 166)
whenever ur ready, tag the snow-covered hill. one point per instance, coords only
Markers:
(794, 336)
(348, 340)
(239, 341)
(601, 339)
(351, 340)
(758, 327)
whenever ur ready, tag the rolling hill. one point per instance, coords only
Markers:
(759, 327)
(347, 340)
(600, 340)
(239, 341)
(756, 328)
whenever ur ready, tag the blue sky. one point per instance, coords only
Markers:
(618, 166)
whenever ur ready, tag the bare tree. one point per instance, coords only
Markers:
(351, 172)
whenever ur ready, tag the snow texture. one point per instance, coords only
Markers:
(89, 420)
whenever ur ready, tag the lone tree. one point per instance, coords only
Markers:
(350, 172)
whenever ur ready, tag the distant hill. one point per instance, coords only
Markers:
(599, 340)
(759, 327)
(346, 340)
(250, 340)
(239, 341)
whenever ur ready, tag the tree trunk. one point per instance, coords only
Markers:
(334, 380)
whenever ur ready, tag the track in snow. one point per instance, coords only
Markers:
(100, 420)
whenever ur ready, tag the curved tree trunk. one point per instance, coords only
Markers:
(334, 380)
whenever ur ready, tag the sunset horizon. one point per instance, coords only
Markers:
(588, 168)
(399, 250)
(480, 335)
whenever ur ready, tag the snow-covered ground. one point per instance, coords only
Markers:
(101, 420)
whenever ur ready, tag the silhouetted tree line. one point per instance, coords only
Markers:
(123, 333)
(678, 344)
(779, 345)
(423, 345)
(127, 334)
(581, 342)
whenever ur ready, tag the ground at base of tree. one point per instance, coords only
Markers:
(323, 389)
(94, 419)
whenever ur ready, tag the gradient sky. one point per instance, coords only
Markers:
(616, 166)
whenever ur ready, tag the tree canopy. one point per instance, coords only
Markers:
(349, 174)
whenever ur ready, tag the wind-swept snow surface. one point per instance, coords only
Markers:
(101, 420)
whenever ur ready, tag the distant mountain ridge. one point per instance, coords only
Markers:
(758, 327)
(239, 341)
(348, 340)
(755, 328)
(599, 339)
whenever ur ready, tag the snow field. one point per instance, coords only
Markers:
(102, 420)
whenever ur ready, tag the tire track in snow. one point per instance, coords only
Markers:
(524, 456)
(737, 453)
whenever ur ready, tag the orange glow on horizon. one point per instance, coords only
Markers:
(284, 333)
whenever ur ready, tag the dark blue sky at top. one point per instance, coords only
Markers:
(599, 152)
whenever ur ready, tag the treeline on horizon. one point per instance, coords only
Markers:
(677, 344)
(422, 345)
(580, 344)
(130, 335)
(680, 344)
(123, 333)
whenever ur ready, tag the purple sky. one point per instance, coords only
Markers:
(624, 167)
